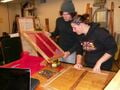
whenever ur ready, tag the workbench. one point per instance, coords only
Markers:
(69, 78)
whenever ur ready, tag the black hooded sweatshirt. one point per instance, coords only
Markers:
(102, 41)
(67, 38)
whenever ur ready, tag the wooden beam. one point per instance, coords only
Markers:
(111, 19)
(47, 24)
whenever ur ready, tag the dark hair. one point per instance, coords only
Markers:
(72, 14)
(81, 19)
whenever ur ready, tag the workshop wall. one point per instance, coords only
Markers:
(4, 24)
(50, 10)
(7, 15)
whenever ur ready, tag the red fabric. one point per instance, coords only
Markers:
(40, 44)
(27, 62)
(51, 45)
(47, 41)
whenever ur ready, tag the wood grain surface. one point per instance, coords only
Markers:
(84, 79)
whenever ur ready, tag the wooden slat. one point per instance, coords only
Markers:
(89, 11)
(92, 81)
(111, 19)
(34, 45)
(47, 24)
(87, 8)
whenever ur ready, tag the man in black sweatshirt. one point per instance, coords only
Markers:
(63, 29)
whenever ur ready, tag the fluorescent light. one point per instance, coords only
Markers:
(4, 1)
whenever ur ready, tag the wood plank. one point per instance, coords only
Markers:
(47, 24)
(93, 81)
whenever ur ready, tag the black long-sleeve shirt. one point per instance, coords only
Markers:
(67, 38)
(103, 43)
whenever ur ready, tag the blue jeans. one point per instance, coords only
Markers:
(70, 59)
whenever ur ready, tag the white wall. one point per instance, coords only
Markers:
(52, 7)
(48, 10)
(4, 24)
(13, 10)
(7, 14)
(51, 10)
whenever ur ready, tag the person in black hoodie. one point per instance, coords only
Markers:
(95, 43)
(63, 29)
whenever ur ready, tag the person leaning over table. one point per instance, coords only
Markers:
(63, 29)
(98, 45)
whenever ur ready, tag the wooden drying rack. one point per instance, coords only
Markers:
(41, 43)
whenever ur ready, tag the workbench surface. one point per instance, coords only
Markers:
(71, 79)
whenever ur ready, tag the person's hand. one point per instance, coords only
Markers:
(78, 66)
(97, 67)
(66, 54)
(46, 33)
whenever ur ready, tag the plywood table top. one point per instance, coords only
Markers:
(71, 79)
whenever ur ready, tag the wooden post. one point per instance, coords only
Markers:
(47, 24)
(111, 19)
(87, 7)
(89, 11)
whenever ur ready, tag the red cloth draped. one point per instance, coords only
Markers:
(27, 62)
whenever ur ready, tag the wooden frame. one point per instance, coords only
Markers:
(42, 44)
(101, 16)
(105, 17)
(26, 24)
